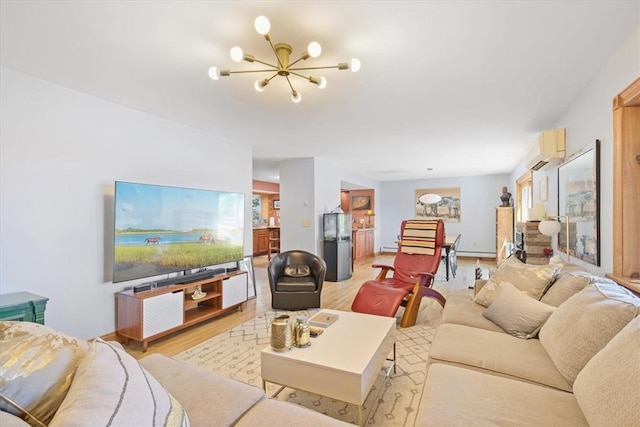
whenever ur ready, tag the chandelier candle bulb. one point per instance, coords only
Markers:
(214, 73)
(314, 49)
(236, 54)
(262, 25)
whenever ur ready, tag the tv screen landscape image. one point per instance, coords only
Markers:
(161, 229)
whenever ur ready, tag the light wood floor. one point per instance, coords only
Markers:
(335, 295)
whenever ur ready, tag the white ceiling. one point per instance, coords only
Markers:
(460, 87)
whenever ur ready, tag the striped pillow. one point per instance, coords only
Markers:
(111, 388)
(419, 237)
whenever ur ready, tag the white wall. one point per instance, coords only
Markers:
(329, 179)
(590, 117)
(309, 188)
(60, 153)
(479, 196)
(297, 205)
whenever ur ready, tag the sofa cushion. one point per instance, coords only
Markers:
(607, 387)
(186, 383)
(495, 353)
(565, 287)
(533, 279)
(111, 388)
(454, 396)
(296, 284)
(517, 313)
(283, 414)
(461, 310)
(585, 323)
(37, 365)
(10, 420)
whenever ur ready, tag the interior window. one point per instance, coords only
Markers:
(256, 208)
(524, 197)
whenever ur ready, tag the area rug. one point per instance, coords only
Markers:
(393, 401)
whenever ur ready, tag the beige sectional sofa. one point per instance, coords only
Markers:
(49, 378)
(579, 366)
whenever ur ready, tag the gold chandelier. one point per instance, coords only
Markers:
(284, 67)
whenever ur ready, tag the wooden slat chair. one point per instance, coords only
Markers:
(414, 269)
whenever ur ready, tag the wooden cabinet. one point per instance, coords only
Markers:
(22, 307)
(260, 241)
(504, 232)
(368, 242)
(362, 243)
(146, 316)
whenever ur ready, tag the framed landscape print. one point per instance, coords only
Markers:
(438, 203)
(361, 203)
(579, 200)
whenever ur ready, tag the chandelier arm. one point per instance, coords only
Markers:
(299, 75)
(297, 60)
(272, 77)
(314, 68)
(290, 85)
(265, 63)
(273, 48)
(252, 71)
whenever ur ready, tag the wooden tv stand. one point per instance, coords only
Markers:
(147, 316)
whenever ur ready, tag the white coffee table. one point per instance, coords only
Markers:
(342, 363)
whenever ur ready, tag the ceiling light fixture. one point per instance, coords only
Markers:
(283, 67)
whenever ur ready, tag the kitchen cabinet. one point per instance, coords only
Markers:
(363, 243)
(260, 241)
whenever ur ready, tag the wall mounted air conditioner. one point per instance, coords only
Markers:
(549, 146)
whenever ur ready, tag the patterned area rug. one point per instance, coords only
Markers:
(392, 401)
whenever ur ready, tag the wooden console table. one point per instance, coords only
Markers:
(23, 307)
(146, 316)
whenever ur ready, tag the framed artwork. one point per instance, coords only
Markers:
(438, 203)
(544, 189)
(579, 200)
(246, 264)
(276, 204)
(361, 203)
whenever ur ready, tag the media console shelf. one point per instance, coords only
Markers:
(147, 316)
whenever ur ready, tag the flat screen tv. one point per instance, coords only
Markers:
(161, 229)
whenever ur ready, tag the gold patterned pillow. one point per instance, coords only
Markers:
(532, 279)
(37, 366)
(112, 388)
(297, 270)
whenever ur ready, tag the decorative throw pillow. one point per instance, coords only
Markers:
(488, 293)
(534, 280)
(516, 313)
(297, 270)
(37, 365)
(614, 368)
(112, 388)
(585, 323)
(563, 288)
(512, 261)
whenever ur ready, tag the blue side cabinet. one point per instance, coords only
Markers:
(23, 307)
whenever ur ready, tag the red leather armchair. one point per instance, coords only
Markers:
(414, 269)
